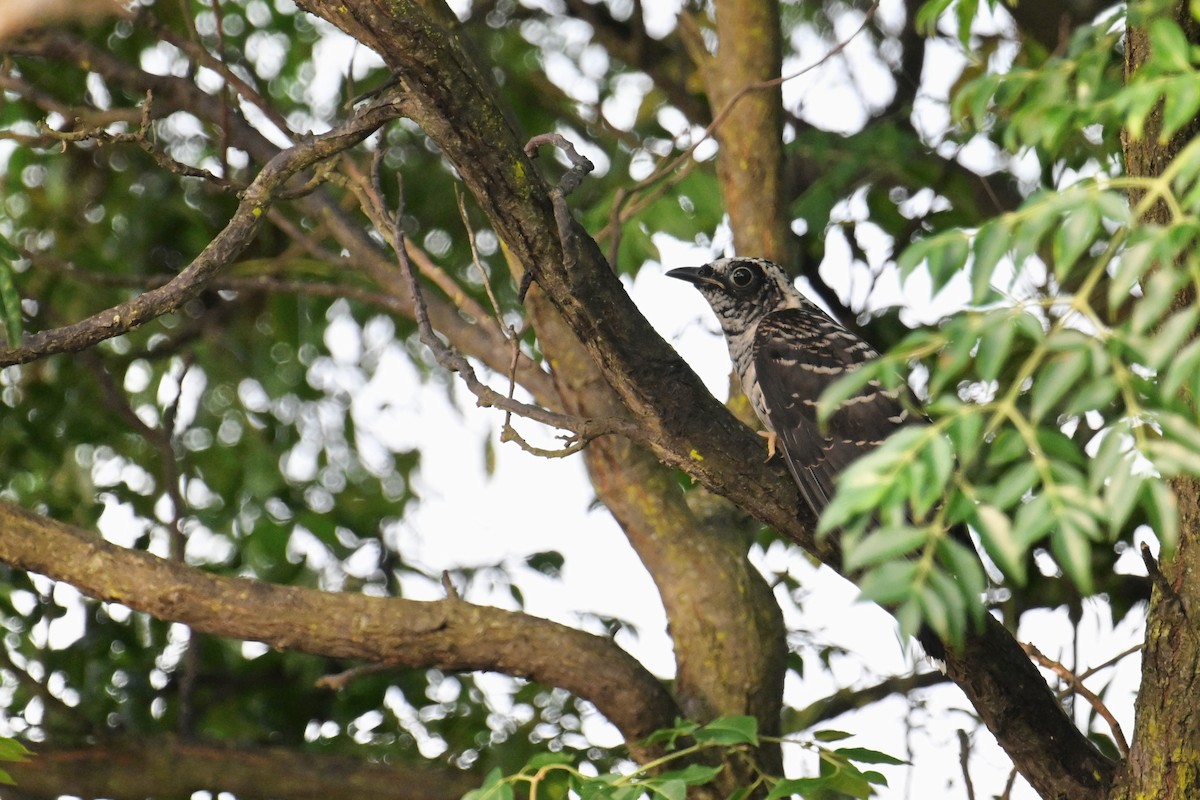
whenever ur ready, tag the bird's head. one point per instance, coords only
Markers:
(742, 290)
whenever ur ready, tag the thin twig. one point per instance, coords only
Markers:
(342, 679)
(509, 332)
(1160, 581)
(448, 585)
(580, 167)
(1084, 692)
(1083, 676)
(964, 755)
(584, 429)
(1008, 786)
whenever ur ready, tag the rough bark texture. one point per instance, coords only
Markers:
(750, 163)
(450, 634)
(133, 770)
(1164, 759)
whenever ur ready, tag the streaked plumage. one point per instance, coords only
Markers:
(786, 351)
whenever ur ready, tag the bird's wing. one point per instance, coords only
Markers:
(797, 354)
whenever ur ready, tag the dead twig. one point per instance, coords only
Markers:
(1087, 694)
(1160, 581)
(964, 755)
(583, 429)
(580, 167)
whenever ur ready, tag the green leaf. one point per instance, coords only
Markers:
(1181, 369)
(884, 544)
(938, 461)
(729, 731)
(966, 432)
(963, 564)
(889, 583)
(1180, 105)
(1033, 521)
(865, 483)
(991, 244)
(13, 750)
(845, 387)
(946, 257)
(1071, 549)
(539, 760)
(1162, 508)
(1097, 394)
(994, 347)
(1057, 377)
(1112, 449)
(1172, 458)
(10, 304)
(1013, 484)
(829, 735)
(1165, 343)
(1132, 265)
(950, 363)
(1074, 237)
(864, 755)
(494, 788)
(1007, 446)
(1169, 45)
(996, 533)
(928, 14)
(1159, 293)
(1179, 428)
(797, 787)
(693, 774)
(670, 789)
(7, 251)
(1121, 495)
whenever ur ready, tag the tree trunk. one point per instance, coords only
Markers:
(1164, 758)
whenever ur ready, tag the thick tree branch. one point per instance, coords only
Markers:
(449, 634)
(446, 94)
(166, 767)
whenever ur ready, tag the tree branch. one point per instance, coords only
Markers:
(168, 767)
(216, 256)
(448, 634)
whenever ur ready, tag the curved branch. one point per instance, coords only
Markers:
(167, 767)
(216, 256)
(449, 634)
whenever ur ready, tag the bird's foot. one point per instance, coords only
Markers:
(771, 439)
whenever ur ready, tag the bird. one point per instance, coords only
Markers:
(786, 351)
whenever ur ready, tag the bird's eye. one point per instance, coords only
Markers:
(741, 277)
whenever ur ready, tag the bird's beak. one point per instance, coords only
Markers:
(696, 275)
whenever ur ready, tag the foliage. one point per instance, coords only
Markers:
(1062, 401)
(11, 750)
(670, 775)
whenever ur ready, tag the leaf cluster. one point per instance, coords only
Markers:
(1062, 402)
(691, 749)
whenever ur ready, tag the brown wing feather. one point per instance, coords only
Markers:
(797, 355)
